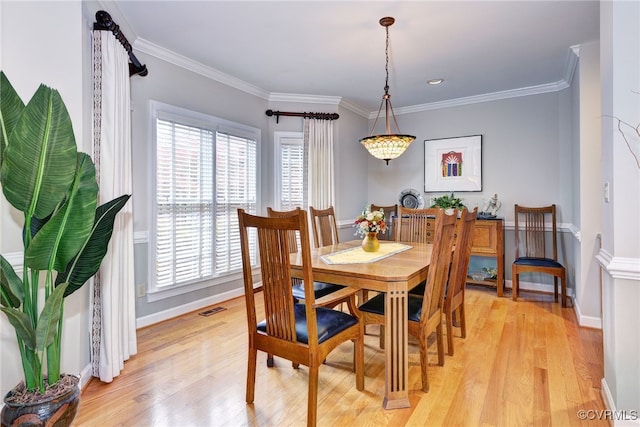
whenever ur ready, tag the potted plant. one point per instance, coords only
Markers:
(65, 238)
(448, 202)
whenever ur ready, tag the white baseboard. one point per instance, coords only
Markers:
(613, 412)
(534, 286)
(141, 322)
(85, 376)
(584, 321)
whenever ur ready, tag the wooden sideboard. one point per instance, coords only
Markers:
(488, 241)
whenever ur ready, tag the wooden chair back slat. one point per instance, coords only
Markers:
(324, 225)
(454, 299)
(439, 265)
(411, 225)
(532, 227)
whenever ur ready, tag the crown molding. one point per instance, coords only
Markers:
(182, 61)
(226, 79)
(302, 98)
(486, 97)
(355, 108)
(572, 63)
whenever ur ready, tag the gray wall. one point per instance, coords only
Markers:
(519, 135)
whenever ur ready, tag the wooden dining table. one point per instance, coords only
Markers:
(394, 275)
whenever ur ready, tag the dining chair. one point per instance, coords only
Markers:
(326, 294)
(325, 233)
(320, 289)
(324, 226)
(454, 294)
(533, 252)
(424, 312)
(389, 212)
(415, 225)
(302, 333)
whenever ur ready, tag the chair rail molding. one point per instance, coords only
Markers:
(619, 267)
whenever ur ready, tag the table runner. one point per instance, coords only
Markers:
(358, 256)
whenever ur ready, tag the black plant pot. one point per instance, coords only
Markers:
(58, 410)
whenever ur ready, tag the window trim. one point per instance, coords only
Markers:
(159, 109)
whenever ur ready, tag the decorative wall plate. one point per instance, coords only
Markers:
(412, 199)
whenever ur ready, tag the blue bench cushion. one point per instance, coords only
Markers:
(320, 289)
(537, 262)
(376, 305)
(330, 323)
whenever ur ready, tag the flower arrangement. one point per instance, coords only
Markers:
(370, 222)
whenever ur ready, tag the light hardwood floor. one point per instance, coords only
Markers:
(522, 363)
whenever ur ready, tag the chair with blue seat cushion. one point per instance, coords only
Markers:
(320, 289)
(424, 312)
(302, 333)
(537, 248)
(325, 232)
(454, 293)
(415, 225)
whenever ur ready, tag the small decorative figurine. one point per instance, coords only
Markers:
(492, 206)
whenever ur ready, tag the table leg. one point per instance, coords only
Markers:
(396, 348)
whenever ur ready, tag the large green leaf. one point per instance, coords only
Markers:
(39, 161)
(62, 237)
(47, 328)
(11, 290)
(89, 259)
(22, 324)
(11, 107)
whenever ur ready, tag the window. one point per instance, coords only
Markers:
(205, 169)
(290, 170)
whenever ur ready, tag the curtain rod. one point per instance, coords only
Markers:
(105, 23)
(322, 116)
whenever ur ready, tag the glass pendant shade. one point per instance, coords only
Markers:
(390, 145)
(387, 147)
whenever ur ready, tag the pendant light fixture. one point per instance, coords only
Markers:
(390, 145)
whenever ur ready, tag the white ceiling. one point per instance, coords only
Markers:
(337, 48)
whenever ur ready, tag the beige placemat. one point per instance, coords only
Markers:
(358, 256)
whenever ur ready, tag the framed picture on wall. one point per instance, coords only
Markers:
(453, 164)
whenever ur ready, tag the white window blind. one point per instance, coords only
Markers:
(290, 170)
(202, 176)
(184, 203)
(292, 175)
(235, 188)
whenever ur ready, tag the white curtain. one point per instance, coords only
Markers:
(318, 136)
(113, 337)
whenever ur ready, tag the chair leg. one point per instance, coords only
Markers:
(363, 296)
(382, 337)
(270, 362)
(448, 315)
(555, 289)
(463, 321)
(424, 363)
(440, 343)
(312, 399)
(251, 374)
(358, 362)
(563, 285)
(514, 284)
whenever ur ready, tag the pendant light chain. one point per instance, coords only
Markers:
(390, 145)
(386, 65)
